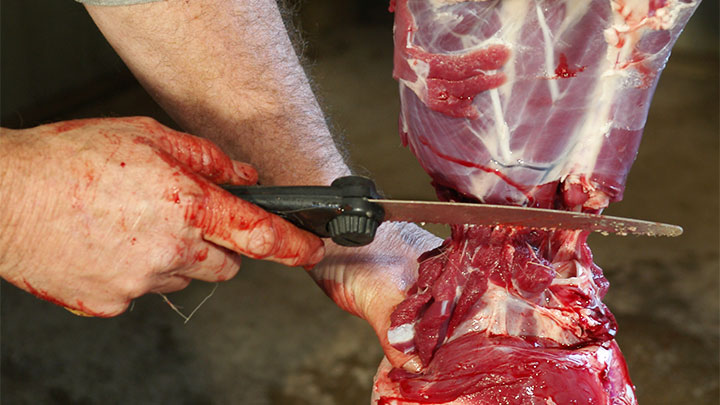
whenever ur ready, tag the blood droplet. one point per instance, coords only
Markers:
(563, 71)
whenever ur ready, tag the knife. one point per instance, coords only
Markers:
(350, 210)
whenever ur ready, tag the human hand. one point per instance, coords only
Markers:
(371, 281)
(98, 212)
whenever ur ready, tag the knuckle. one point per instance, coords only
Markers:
(171, 283)
(263, 239)
(229, 268)
(101, 305)
(143, 120)
(116, 309)
(197, 208)
(181, 282)
(133, 287)
(172, 255)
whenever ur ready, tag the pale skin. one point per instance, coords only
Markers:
(102, 211)
(226, 71)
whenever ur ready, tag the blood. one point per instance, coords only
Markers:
(201, 255)
(392, 401)
(122, 223)
(207, 207)
(173, 195)
(507, 370)
(247, 172)
(198, 154)
(563, 71)
(79, 306)
(214, 211)
(44, 295)
(522, 262)
(197, 212)
(71, 125)
(497, 172)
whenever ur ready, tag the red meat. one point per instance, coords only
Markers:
(522, 102)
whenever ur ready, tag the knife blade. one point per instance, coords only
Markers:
(350, 210)
(439, 212)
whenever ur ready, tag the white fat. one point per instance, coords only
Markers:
(419, 86)
(440, 3)
(447, 18)
(604, 355)
(444, 307)
(616, 75)
(479, 185)
(502, 131)
(549, 51)
(500, 312)
(403, 121)
(401, 334)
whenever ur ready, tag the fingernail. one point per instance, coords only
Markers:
(413, 365)
(246, 172)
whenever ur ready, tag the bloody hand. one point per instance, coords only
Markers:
(97, 212)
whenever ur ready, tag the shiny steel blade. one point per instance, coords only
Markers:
(486, 214)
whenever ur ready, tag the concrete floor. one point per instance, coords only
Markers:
(270, 336)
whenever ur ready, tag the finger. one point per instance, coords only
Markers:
(205, 158)
(247, 229)
(213, 263)
(170, 284)
(199, 155)
(246, 172)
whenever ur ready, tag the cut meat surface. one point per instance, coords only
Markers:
(477, 370)
(539, 286)
(510, 308)
(524, 102)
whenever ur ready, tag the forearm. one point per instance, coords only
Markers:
(226, 70)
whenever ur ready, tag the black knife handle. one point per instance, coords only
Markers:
(340, 211)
